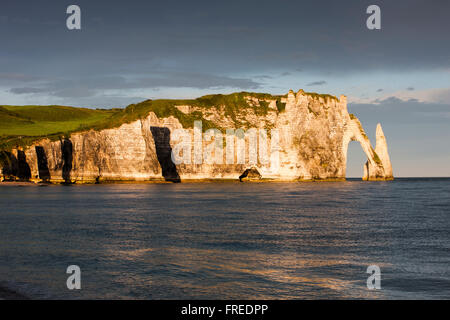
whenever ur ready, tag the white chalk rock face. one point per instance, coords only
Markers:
(307, 139)
(382, 151)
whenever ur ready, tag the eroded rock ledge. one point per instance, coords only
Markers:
(314, 133)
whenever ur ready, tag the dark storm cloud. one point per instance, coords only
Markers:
(196, 80)
(205, 44)
(102, 101)
(86, 87)
(263, 77)
(317, 83)
(20, 77)
(233, 34)
(27, 90)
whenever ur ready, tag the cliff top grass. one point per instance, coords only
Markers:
(324, 96)
(23, 125)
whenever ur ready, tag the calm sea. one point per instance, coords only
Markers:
(228, 240)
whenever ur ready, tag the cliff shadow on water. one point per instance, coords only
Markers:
(161, 136)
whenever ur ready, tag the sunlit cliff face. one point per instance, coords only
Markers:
(308, 140)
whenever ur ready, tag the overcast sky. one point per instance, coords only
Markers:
(128, 51)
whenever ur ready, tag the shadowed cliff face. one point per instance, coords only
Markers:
(23, 169)
(67, 158)
(44, 172)
(14, 166)
(311, 144)
(9, 164)
(161, 136)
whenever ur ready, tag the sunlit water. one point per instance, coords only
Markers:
(228, 240)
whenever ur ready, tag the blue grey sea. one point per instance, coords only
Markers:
(228, 240)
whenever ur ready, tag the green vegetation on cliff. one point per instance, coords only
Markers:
(42, 120)
(23, 125)
(323, 96)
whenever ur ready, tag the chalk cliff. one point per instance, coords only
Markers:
(307, 139)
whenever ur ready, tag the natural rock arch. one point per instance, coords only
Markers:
(378, 165)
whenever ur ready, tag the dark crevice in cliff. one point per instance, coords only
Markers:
(24, 171)
(161, 136)
(67, 158)
(44, 172)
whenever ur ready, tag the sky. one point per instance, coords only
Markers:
(129, 51)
